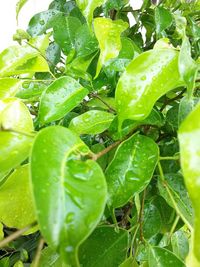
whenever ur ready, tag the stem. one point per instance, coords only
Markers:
(133, 239)
(140, 219)
(169, 158)
(106, 150)
(38, 253)
(16, 234)
(104, 102)
(174, 226)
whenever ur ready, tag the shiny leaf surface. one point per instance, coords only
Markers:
(75, 190)
(9, 87)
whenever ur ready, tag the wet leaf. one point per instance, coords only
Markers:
(163, 19)
(59, 98)
(180, 244)
(131, 169)
(91, 122)
(75, 190)
(105, 247)
(9, 87)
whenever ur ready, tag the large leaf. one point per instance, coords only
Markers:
(88, 7)
(105, 247)
(91, 122)
(131, 169)
(59, 98)
(108, 34)
(70, 194)
(189, 133)
(16, 202)
(9, 87)
(24, 59)
(161, 257)
(180, 244)
(14, 115)
(177, 191)
(146, 79)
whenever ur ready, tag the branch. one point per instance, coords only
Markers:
(38, 253)
(104, 102)
(106, 150)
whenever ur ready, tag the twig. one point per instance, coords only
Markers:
(106, 150)
(16, 234)
(38, 253)
(104, 102)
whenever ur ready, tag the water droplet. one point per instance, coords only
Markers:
(70, 217)
(42, 22)
(69, 249)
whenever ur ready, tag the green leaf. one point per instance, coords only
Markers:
(65, 31)
(9, 87)
(130, 262)
(145, 80)
(105, 247)
(14, 115)
(16, 202)
(189, 140)
(152, 220)
(70, 194)
(1, 232)
(185, 107)
(43, 21)
(163, 258)
(181, 201)
(24, 59)
(14, 148)
(88, 7)
(19, 6)
(108, 34)
(187, 66)
(91, 122)
(31, 89)
(49, 258)
(131, 169)
(163, 19)
(59, 98)
(180, 244)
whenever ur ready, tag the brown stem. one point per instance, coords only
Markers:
(106, 150)
(38, 253)
(104, 102)
(16, 234)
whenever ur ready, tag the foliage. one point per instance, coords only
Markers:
(100, 136)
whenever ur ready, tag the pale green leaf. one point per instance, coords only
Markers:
(16, 202)
(144, 81)
(91, 122)
(108, 34)
(9, 87)
(1, 232)
(59, 98)
(70, 194)
(19, 5)
(131, 169)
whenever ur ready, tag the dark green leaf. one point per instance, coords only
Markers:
(180, 244)
(163, 19)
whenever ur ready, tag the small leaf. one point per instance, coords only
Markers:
(163, 258)
(187, 66)
(180, 244)
(16, 202)
(88, 7)
(105, 247)
(163, 19)
(130, 262)
(91, 122)
(70, 194)
(178, 192)
(189, 140)
(145, 80)
(19, 6)
(108, 34)
(131, 169)
(9, 87)
(59, 98)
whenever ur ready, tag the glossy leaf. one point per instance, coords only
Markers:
(105, 247)
(131, 169)
(130, 262)
(74, 191)
(24, 59)
(14, 115)
(187, 66)
(49, 258)
(16, 202)
(91, 122)
(145, 80)
(88, 7)
(31, 89)
(163, 258)
(180, 244)
(179, 194)
(163, 19)
(59, 98)
(190, 161)
(108, 34)
(185, 107)
(9, 87)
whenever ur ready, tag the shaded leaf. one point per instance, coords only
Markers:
(91, 122)
(59, 98)
(180, 244)
(74, 191)
(105, 247)
(145, 80)
(131, 169)
(16, 202)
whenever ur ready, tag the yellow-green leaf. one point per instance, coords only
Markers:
(9, 87)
